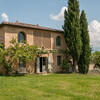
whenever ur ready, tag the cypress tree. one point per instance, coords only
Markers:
(72, 31)
(84, 60)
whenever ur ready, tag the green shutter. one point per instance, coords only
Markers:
(49, 64)
(38, 65)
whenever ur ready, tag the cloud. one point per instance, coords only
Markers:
(4, 17)
(60, 16)
(94, 31)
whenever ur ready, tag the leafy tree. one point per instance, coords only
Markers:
(9, 57)
(72, 31)
(95, 58)
(84, 60)
(3, 61)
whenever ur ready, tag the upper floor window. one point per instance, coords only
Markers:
(58, 41)
(21, 37)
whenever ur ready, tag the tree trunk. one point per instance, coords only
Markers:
(74, 66)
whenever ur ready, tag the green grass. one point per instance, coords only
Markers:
(50, 87)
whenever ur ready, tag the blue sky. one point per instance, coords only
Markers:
(45, 12)
(38, 11)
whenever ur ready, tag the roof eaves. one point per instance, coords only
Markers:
(31, 26)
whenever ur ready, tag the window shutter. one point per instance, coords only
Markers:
(38, 65)
(49, 64)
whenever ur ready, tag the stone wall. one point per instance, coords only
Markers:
(41, 38)
(1, 41)
(2, 35)
(12, 32)
(53, 46)
(91, 67)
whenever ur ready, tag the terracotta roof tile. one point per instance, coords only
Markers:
(31, 26)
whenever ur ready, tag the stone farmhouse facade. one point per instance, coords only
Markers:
(46, 38)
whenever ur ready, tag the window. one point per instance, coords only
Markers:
(22, 63)
(21, 37)
(58, 60)
(58, 41)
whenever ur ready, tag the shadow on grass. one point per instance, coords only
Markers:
(69, 73)
(16, 75)
(62, 73)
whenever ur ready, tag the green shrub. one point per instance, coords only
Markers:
(95, 59)
(66, 65)
(10, 56)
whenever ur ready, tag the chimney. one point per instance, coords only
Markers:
(37, 24)
(17, 21)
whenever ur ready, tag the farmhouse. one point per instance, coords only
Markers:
(45, 38)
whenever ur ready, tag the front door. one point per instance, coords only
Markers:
(42, 65)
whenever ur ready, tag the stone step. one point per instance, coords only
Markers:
(43, 73)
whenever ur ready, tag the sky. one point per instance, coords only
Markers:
(49, 13)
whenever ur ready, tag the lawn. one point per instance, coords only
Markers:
(50, 87)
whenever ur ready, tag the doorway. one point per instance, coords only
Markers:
(43, 64)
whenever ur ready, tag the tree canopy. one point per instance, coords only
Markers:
(72, 30)
(9, 57)
(84, 60)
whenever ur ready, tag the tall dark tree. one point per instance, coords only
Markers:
(72, 31)
(84, 60)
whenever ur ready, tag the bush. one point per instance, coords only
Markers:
(66, 65)
(95, 58)
(10, 56)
